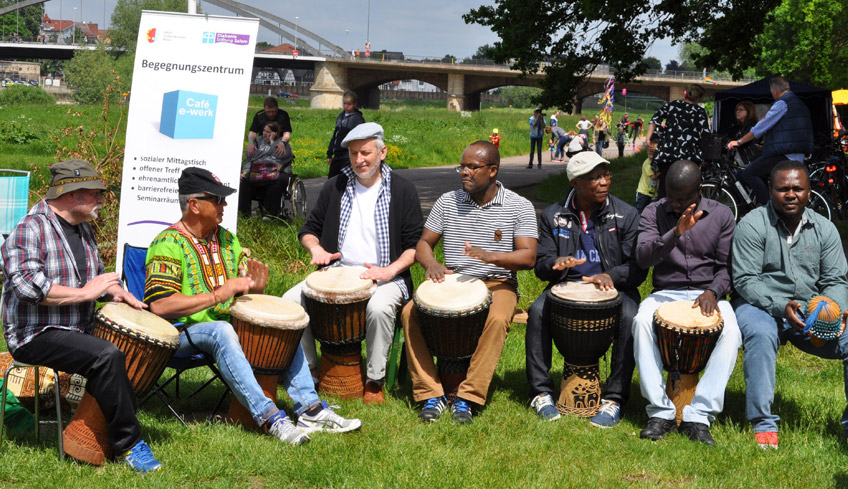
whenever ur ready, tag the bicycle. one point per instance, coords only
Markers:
(293, 200)
(719, 183)
(828, 176)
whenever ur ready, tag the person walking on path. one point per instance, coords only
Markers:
(537, 133)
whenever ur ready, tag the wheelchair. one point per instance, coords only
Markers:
(293, 200)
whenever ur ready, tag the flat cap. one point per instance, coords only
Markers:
(70, 175)
(583, 163)
(194, 180)
(367, 130)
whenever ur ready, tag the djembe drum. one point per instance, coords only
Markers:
(269, 330)
(148, 343)
(336, 299)
(685, 338)
(452, 315)
(583, 320)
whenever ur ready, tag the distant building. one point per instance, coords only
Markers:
(410, 86)
(62, 31)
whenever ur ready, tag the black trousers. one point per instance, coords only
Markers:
(538, 349)
(535, 143)
(104, 368)
(337, 164)
(271, 195)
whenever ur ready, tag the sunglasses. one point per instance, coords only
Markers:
(217, 198)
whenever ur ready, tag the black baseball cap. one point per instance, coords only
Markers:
(195, 180)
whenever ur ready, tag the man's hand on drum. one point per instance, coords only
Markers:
(477, 252)
(602, 280)
(564, 262)
(707, 302)
(436, 272)
(257, 271)
(120, 294)
(687, 220)
(233, 286)
(790, 312)
(97, 286)
(320, 256)
(377, 274)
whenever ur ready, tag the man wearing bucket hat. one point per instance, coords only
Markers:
(367, 217)
(194, 270)
(53, 275)
(589, 236)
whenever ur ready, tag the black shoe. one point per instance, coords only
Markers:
(530, 165)
(540, 166)
(657, 428)
(696, 432)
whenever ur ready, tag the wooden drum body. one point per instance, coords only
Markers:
(336, 299)
(269, 330)
(452, 315)
(685, 338)
(583, 320)
(148, 343)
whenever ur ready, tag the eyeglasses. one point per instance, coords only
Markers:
(217, 198)
(471, 169)
(597, 179)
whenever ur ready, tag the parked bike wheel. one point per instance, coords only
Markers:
(293, 205)
(714, 191)
(822, 204)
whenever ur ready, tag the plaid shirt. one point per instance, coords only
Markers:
(381, 215)
(35, 256)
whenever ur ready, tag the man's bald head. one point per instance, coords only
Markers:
(683, 176)
(486, 152)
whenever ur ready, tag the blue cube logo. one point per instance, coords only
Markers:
(188, 115)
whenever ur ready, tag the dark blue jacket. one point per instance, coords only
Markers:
(793, 133)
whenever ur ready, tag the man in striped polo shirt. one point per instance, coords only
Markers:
(489, 232)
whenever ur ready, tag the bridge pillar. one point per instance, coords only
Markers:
(456, 92)
(329, 86)
(675, 92)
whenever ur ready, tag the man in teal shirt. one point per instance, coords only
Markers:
(783, 254)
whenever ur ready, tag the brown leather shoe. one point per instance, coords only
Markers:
(373, 393)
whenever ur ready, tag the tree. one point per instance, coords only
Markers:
(519, 97)
(652, 63)
(588, 32)
(485, 51)
(92, 75)
(806, 41)
(25, 22)
(673, 65)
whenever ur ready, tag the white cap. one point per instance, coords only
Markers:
(583, 163)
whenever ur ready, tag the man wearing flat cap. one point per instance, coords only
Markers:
(366, 217)
(590, 236)
(194, 269)
(53, 275)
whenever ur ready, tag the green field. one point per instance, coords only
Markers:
(506, 445)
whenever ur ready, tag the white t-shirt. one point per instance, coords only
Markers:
(584, 125)
(576, 144)
(554, 121)
(360, 243)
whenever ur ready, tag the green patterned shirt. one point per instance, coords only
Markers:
(179, 262)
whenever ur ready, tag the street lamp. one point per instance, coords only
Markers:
(74, 28)
(347, 39)
(295, 32)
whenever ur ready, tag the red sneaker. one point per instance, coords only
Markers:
(373, 393)
(766, 439)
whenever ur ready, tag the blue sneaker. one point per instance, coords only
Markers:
(461, 411)
(433, 408)
(608, 415)
(544, 406)
(140, 459)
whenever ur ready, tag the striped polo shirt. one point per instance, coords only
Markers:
(492, 227)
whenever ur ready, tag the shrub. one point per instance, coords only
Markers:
(22, 94)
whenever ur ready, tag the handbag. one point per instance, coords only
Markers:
(262, 172)
(606, 143)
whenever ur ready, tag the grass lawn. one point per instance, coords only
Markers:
(506, 445)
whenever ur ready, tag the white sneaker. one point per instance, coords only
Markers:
(327, 420)
(284, 430)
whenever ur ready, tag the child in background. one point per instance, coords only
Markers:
(647, 188)
(495, 138)
(552, 145)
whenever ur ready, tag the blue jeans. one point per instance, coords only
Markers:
(217, 338)
(709, 394)
(599, 147)
(642, 201)
(761, 336)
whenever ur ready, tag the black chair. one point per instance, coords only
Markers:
(133, 275)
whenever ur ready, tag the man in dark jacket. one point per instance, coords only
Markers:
(337, 156)
(787, 133)
(367, 217)
(590, 236)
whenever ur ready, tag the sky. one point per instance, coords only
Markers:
(419, 29)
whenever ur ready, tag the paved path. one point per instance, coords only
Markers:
(432, 182)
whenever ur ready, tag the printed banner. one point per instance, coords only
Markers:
(188, 105)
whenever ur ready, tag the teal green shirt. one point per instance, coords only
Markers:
(772, 266)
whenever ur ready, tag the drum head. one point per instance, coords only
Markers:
(140, 321)
(269, 311)
(582, 292)
(681, 315)
(457, 293)
(338, 280)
